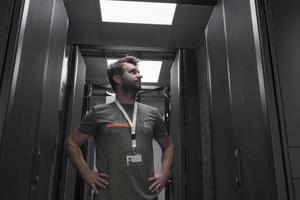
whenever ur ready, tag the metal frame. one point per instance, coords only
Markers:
(6, 23)
(60, 194)
(274, 99)
(96, 51)
(13, 45)
(195, 2)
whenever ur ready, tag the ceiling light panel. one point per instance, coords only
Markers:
(149, 69)
(137, 12)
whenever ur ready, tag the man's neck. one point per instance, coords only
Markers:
(125, 98)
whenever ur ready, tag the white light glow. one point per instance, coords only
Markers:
(110, 61)
(137, 12)
(149, 69)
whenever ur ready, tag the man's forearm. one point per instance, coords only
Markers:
(167, 159)
(76, 157)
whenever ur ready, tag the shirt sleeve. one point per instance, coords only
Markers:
(159, 126)
(88, 124)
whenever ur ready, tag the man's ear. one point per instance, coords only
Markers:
(117, 78)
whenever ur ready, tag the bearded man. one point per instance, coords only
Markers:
(123, 132)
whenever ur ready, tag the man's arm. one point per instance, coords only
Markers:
(94, 179)
(160, 181)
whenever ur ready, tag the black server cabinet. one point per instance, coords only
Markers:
(30, 89)
(280, 26)
(75, 113)
(244, 144)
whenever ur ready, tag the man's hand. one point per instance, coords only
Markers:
(159, 182)
(96, 180)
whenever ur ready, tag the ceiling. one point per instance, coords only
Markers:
(97, 38)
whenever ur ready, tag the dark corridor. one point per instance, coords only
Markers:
(228, 89)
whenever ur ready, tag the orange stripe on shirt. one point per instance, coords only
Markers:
(116, 124)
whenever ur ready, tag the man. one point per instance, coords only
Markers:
(123, 132)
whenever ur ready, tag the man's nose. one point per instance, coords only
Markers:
(139, 76)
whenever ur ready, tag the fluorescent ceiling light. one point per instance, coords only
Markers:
(137, 12)
(149, 69)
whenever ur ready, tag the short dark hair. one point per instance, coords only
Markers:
(116, 68)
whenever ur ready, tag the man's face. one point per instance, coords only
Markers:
(131, 79)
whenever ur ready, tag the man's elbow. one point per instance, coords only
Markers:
(169, 148)
(69, 145)
(172, 148)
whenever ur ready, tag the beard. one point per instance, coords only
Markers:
(131, 87)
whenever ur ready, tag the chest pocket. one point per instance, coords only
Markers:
(145, 124)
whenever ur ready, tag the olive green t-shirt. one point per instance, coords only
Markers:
(112, 136)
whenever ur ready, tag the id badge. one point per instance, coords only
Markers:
(134, 159)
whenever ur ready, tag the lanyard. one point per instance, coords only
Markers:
(131, 123)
